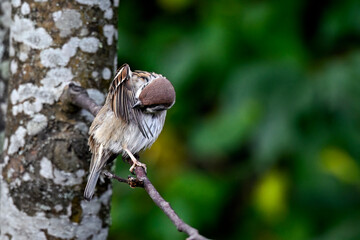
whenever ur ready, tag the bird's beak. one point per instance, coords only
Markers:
(137, 104)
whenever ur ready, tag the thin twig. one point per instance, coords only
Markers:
(78, 96)
(131, 181)
(165, 206)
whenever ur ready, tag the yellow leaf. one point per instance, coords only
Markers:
(340, 164)
(270, 196)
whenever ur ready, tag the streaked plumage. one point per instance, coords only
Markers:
(130, 120)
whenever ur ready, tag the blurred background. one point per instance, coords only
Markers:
(263, 141)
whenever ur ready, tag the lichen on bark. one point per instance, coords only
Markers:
(46, 157)
(5, 19)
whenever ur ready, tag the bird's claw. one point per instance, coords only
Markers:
(137, 164)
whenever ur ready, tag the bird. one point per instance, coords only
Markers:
(130, 121)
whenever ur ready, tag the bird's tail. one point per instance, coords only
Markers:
(91, 184)
(97, 162)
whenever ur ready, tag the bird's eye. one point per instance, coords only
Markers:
(156, 108)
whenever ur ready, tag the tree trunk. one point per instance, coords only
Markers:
(5, 19)
(46, 157)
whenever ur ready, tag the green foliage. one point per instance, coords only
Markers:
(263, 141)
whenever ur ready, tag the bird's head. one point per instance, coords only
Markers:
(139, 90)
(156, 95)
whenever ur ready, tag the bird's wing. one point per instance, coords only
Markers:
(122, 99)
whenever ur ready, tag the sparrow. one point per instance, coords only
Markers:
(130, 120)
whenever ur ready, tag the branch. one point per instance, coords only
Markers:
(77, 96)
(131, 181)
(165, 206)
(74, 95)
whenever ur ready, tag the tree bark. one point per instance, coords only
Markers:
(46, 158)
(5, 19)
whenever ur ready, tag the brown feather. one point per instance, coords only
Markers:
(122, 98)
(159, 91)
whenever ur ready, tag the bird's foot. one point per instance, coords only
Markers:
(136, 163)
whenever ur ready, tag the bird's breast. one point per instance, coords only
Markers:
(135, 139)
(115, 134)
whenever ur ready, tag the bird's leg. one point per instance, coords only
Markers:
(135, 161)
